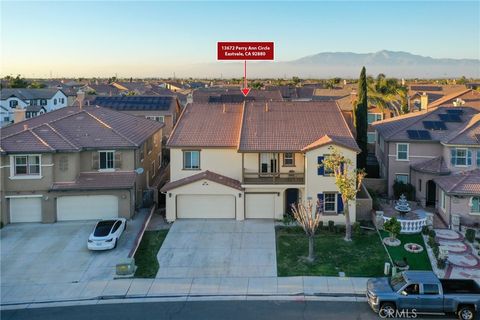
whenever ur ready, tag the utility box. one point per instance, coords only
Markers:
(126, 268)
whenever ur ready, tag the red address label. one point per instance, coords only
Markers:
(245, 51)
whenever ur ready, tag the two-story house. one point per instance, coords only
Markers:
(77, 164)
(438, 152)
(255, 159)
(25, 103)
(165, 109)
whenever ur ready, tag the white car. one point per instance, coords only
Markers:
(106, 234)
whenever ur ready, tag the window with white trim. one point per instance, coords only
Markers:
(330, 202)
(443, 199)
(107, 160)
(461, 156)
(402, 151)
(373, 116)
(289, 159)
(191, 160)
(13, 103)
(401, 178)
(156, 118)
(27, 165)
(371, 137)
(475, 205)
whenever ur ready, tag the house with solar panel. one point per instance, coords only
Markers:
(438, 152)
(163, 109)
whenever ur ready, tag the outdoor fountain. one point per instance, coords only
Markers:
(411, 221)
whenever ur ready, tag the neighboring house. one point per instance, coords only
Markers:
(253, 160)
(101, 89)
(77, 164)
(421, 96)
(29, 103)
(234, 95)
(132, 87)
(163, 109)
(292, 93)
(438, 152)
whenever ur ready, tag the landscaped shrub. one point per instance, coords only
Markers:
(425, 230)
(470, 235)
(393, 226)
(288, 219)
(339, 229)
(432, 233)
(431, 242)
(320, 225)
(357, 230)
(406, 189)
(375, 199)
(331, 225)
(436, 251)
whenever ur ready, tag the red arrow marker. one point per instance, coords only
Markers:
(246, 89)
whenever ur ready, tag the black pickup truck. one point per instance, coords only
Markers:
(422, 292)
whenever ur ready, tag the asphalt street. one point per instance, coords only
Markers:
(211, 310)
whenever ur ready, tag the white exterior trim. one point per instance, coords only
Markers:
(25, 196)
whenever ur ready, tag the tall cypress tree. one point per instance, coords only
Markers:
(360, 118)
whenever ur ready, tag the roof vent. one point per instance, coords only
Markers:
(224, 108)
(25, 127)
(266, 107)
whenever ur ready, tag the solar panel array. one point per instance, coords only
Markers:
(135, 102)
(419, 135)
(455, 111)
(434, 125)
(450, 117)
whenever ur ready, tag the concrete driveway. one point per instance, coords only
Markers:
(35, 253)
(218, 248)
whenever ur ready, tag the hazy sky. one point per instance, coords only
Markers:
(103, 38)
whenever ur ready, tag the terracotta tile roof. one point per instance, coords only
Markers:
(436, 166)
(467, 135)
(206, 175)
(465, 183)
(291, 126)
(71, 129)
(325, 140)
(207, 125)
(331, 94)
(234, 95)
(98, 181)
(396, 128)
(448, 98)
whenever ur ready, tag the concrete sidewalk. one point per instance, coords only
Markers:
(182, 287)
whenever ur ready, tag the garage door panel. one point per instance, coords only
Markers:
(87, 207)
(206, 206)
(26, 209)
(260, 206)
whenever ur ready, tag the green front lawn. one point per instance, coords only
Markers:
(146, 255)
(416, 261)
(364, 256)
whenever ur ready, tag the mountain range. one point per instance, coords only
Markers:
(343, 64)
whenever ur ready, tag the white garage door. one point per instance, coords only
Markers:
(260, 206)
(25, 209)
(87, 207)
(206, 206)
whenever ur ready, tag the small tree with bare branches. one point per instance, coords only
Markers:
(348, 181)
(309, 219)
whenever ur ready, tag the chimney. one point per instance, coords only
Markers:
(266, 106)
(19, 115)
(25, 127)
(80, 98)
(424, 101)
(403, 82)
(224, 108)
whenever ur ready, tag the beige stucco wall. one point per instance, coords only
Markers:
(459, 205)
(206, 187)
(316, 184)
(446, 152)
(224, 161)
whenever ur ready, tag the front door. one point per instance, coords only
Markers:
(268, 163)
(291, 198)
(431, 193)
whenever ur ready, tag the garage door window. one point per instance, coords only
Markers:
(27, 165)
(107, 160)
(191, 160)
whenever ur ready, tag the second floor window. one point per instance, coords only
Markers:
(13, 103)
(461, 157)
(157, 118)
(475, 205)
(55, 101)
(372, 117)
(191, 160)
(402, 151)
(27, 165)
(289, 159)
(107, 160)
(43, 102)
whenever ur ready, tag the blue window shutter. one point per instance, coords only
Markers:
(339, 203)
(469, 157)
(342, 166)
(453, 157)
(321, 168)
(320, 200)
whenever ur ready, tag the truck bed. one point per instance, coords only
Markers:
(455, 286)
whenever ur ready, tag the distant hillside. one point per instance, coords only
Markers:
(345, 64)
